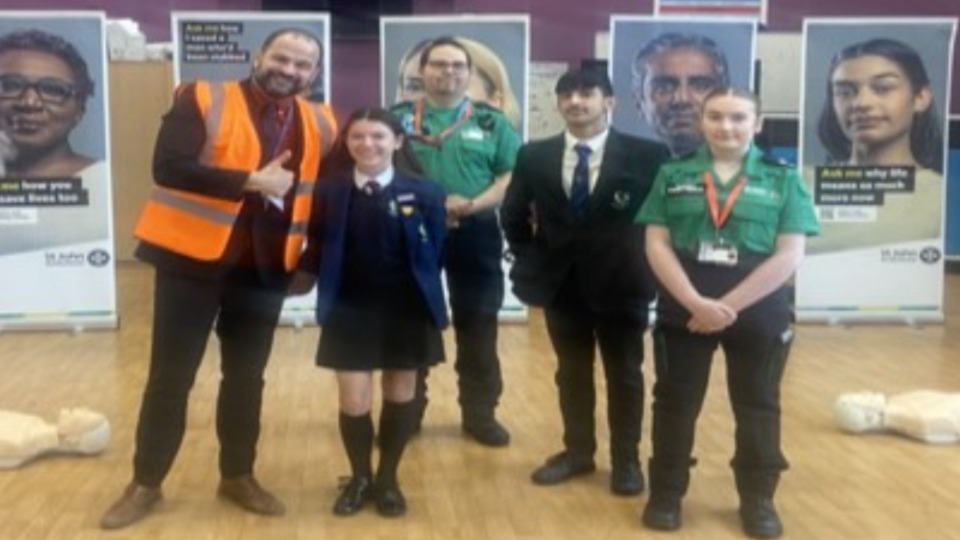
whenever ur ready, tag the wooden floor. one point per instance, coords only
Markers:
(839, 486)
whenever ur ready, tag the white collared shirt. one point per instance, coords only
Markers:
(596, 144)
(384, 178)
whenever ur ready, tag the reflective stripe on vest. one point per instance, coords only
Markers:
(199, 226)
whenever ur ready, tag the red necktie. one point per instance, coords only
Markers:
(273, 124)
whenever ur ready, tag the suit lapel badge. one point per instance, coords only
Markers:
(621, 199)
(423, 233)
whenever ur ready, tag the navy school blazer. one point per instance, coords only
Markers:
(420, 205)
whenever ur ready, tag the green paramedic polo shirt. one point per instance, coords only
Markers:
(774, 200)
(470, 156)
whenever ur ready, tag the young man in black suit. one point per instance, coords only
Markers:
(568, 216)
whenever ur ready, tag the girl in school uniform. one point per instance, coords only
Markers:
(375, 243)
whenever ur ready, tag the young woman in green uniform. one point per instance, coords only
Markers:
(726, 228)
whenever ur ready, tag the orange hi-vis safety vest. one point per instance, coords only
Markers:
(199, 226)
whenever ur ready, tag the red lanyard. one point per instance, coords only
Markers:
(464, 111)
(718, 215)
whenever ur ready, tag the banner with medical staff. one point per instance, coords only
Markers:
(221, 46)
(873, 153)
(56, 231)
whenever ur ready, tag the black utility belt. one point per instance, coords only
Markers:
(740, 260)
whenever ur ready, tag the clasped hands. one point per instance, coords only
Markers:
(458, 207)
(709, 316)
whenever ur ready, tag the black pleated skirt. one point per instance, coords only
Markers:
(379, 327)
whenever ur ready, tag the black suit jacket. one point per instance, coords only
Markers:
(605, 249)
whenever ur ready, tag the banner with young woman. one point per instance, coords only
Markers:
(56, 231)
(221, 46)
(499, 47)
(873, 146)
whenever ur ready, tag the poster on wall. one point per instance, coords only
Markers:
(873, 146)
(56, 230)
(221, 46)
(753, 9)
(499, 47)
(662, 68)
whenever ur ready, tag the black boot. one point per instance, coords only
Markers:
(662, 513)
(668, 485)
(759, 517)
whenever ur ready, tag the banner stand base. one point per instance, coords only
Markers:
(839, 319)
(74, 325)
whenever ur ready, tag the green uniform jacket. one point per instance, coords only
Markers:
(774, 200)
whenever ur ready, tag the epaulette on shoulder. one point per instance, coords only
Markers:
(685, 156)
(484, 106)
(767, 159)
(402, 106)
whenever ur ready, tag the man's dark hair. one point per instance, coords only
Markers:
(583, 79)
(38, 40)
(676, 40)
(442, 41)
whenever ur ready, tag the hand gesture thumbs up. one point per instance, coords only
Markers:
(272, 180)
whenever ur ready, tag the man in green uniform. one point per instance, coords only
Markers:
(469, 148)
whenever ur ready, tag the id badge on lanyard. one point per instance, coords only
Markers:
(719, 252)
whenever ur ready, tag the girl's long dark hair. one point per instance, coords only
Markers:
(926, 135)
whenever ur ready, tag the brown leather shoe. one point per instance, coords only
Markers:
(133, 505)
(247, 493)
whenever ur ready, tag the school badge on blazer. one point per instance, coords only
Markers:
(621, 200)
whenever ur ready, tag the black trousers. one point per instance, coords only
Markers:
(756, 349)
(575, 331)
(472, 261)
(185, 309)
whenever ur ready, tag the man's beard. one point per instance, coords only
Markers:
(265, 80)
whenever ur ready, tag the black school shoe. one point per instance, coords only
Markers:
(353, 495)
(390, 501)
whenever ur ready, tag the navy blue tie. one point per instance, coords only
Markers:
(371, 187)
(580, 188)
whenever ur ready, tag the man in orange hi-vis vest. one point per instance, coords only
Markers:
(235, 164)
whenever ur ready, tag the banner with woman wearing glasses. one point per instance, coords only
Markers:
(873, 145)
(56, 238)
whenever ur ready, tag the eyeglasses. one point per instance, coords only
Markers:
(443, 65)
(50, 89)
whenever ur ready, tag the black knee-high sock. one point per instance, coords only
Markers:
(397, 421)
(357, 435)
